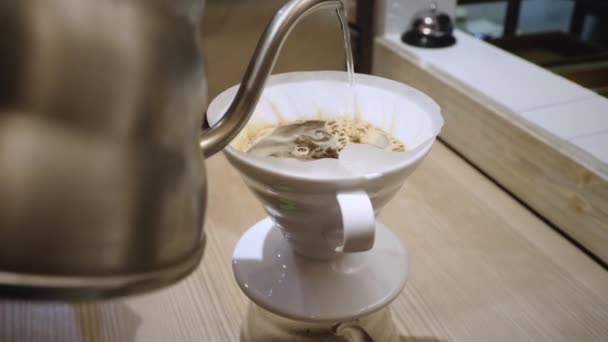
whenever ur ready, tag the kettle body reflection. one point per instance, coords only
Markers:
(102, 184)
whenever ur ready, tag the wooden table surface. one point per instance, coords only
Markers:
(483, 268)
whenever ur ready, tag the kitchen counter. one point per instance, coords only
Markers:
(506, 117)
(483, 268)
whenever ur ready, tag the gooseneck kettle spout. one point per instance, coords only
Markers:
(102, 184)
(259, 69)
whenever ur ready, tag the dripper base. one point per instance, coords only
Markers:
(287, 284)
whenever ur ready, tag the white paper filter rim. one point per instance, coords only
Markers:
(406, 113)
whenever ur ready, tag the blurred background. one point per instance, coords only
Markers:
(568, 37)
(232, 28)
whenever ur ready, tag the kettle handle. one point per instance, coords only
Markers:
(260, 66)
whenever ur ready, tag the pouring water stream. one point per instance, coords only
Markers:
(347, 44)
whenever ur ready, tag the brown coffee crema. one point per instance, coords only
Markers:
(316, 139)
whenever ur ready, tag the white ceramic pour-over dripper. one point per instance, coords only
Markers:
(294, 265)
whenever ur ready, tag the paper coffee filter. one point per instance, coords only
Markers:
(404, 112)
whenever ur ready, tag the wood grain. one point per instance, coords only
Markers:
(483, 268)
(555, 178)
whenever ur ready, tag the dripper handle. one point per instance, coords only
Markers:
(358, 221)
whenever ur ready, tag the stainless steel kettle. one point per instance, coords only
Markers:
(102, 185)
